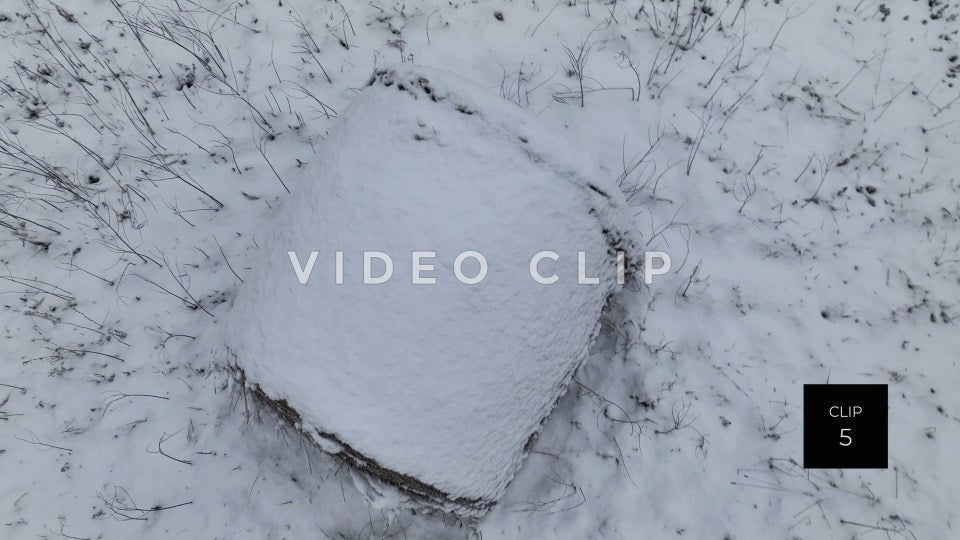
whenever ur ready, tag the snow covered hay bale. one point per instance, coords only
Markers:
(437, 388)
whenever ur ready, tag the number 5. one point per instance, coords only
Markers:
(843, 435)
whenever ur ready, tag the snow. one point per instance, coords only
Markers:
(802, 176)
(444, 382)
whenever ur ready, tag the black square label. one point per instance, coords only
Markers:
(845, 426)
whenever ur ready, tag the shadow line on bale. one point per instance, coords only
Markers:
(416, 489)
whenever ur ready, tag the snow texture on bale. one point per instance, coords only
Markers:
(435, 388)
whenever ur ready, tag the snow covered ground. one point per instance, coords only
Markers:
(797, 159)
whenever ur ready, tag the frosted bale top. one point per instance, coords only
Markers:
(436, 388)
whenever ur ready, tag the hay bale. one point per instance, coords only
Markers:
(436, 388)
